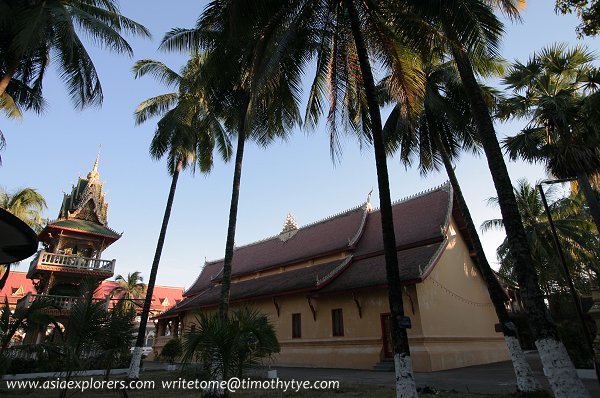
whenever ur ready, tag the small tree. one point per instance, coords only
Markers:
(116, 339)
(172, 350)
(229, 346)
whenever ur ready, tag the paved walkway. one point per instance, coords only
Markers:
(488, 379)
(491, 378)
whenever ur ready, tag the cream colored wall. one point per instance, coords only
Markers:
(458, 317)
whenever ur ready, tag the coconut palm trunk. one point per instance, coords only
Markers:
(526, 381)
(8, 75)
(4, 276)
(557, 365)
(590, 196)
(233, 208)
(405, 383)
(134, 366)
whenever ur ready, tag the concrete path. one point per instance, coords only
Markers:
(492, 378)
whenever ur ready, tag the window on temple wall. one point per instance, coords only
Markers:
(337, 322)
(296, 326)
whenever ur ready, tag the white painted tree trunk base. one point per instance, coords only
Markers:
(405, 380)
(559, 370)
(526, 381)
(134, 365)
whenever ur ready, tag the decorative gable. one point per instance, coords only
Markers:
(18, 292)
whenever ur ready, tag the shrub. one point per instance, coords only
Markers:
(228, 347)
(171, 350)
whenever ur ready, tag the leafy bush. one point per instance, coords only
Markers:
(172, 350)
(228, 347)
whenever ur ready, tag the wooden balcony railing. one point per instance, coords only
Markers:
(63, 303)
(44, 258)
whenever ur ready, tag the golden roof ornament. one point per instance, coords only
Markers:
(290, 227)
(369, 205)
(93, 174)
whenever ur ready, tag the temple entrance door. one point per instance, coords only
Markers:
(386, 333)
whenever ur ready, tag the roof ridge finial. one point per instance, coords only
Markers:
(290, 223)
(93, 174)
(368, 204)
(290, 227)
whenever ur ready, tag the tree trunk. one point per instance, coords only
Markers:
(13, 64)
(590, 196)
(405, 383)
(5, 276)
(136, 357)
(558, 367)
(526, 381)
(5, 81)
(235, 196)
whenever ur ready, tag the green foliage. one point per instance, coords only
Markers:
(172, 350)
(555, 91)
(35, 313)
(569, 328)
(577, 236)
(129, 289)
(26, 204)
(188, 131)
(588, 12)
(227, 347)
(34, 29)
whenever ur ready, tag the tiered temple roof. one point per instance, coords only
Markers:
(84, 210)
(267, 268)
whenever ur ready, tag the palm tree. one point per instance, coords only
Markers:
(442, 129)
(187, 134)
(556, 90)
(469, 29)
(33, 29)
(27, 204)
(228, 347)
(11, 321)
(259, 112)
(129, 289)
(576, 234)
(331, 33)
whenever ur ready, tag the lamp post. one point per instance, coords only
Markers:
(561, 256)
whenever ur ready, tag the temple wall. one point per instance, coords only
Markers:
(458, 317)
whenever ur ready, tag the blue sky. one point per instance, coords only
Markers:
(50, 151)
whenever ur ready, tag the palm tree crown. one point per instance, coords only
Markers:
(556, 92)
(36, 32)
(129, 288)
(27, 204)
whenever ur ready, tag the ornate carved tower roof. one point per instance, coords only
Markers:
(86, 201)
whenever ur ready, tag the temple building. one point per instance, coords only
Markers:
(324, 288)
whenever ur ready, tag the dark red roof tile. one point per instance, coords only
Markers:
(417, 219)
(413, 265)
(419, 222)
(328, 236)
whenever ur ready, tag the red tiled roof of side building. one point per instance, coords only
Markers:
(331, 235)
(12, 290)
(163, 297)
